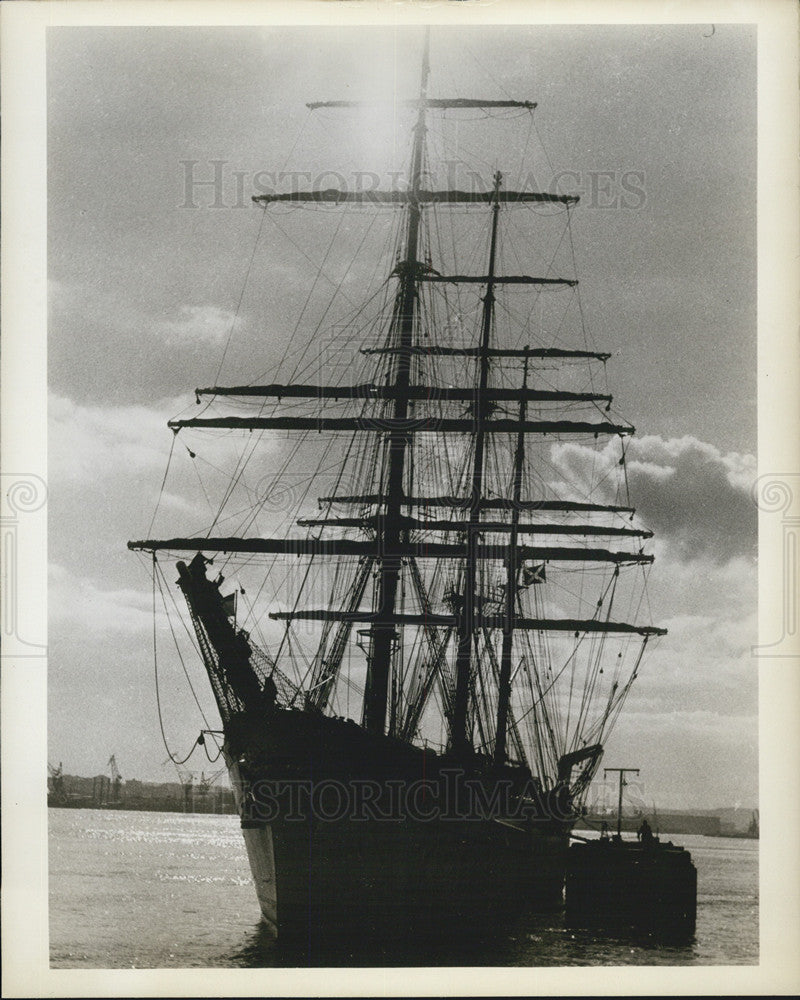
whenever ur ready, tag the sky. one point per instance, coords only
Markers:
(147, 279)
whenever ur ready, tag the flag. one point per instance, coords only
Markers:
(229, 605)
(533, 574)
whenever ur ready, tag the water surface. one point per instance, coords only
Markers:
(157, 890)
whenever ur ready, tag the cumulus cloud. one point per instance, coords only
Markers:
(705, 662)
(702, 664)
(120, 467)
(690, 493)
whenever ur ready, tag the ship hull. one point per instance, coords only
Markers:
(395, 867)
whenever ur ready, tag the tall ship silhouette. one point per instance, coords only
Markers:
(419, 654)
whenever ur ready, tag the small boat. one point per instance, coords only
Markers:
(645, 886)
(648, 888)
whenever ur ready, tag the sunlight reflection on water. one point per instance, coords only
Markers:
(159, 890)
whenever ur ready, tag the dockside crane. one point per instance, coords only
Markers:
(207, 782)
(55, 783)
(186, 779)
(116, 779)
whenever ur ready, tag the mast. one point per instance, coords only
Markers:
(383, 631)
(403, 528)
(504, 684)
(621, 771)
(458, 726)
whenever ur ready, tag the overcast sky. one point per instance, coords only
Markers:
(144, 289)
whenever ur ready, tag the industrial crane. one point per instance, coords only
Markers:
(207, 782)
(186, 779)
(116, 778)
(55, 783)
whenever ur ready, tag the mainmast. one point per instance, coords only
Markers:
(466, 627)
(383, 632)
(504, 683)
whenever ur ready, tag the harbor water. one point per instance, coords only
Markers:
(149, 890)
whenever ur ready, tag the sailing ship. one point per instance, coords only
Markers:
(449, 639)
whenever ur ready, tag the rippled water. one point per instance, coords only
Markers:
(156, 890)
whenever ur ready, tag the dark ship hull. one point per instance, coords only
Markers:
(355, 838)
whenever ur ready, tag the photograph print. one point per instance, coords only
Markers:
(401, 458)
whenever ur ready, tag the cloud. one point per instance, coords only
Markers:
(705, 662)
(204, 324)
(94, 442)
(198, 324)
(691, 494)
(688, 757)
(80, 602)
(700, 666)
(702, 586)
(704, 505)
(117, 473)
(109, 343)
(707, 639)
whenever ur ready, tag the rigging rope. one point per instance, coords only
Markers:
(445, 461)
(180, 655)
(252, 257)
(241, 297)
(163, 482)
(174, 760)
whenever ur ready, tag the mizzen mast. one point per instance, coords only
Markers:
(466, 626)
